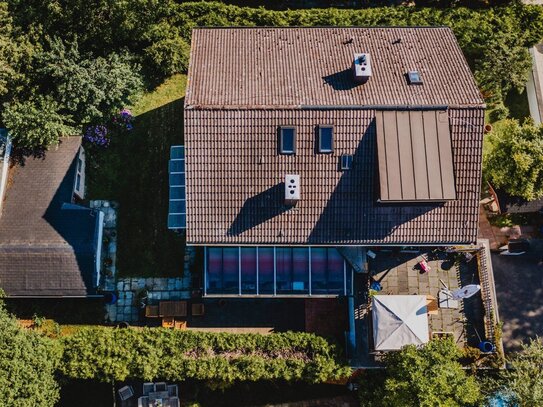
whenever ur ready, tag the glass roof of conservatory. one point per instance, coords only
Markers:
(279, 271)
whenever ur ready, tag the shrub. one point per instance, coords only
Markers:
(145, 354)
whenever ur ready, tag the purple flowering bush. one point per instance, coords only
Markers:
(97, 135)
(124, 119)
(100, 135)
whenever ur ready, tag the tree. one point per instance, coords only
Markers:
(88, 88)
(524, 378)
(515, 162)
(430, 376)
(27, 365)
(36, 122)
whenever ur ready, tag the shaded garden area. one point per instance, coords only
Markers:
(133, 170)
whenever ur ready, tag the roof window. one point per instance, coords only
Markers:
(414, 78)
(326, 139)
(346, 162)
(287, 140)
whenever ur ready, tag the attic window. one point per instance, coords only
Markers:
(326, 139)
(346, 162)
(414, 78)
(287, 140)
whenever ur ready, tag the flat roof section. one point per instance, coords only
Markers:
(414, 156)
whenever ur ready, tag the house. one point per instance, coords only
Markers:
(305, 146)
(49, 243)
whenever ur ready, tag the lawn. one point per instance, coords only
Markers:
(133, 171)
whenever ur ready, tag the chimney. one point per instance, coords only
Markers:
(362, 67)
(292, 189)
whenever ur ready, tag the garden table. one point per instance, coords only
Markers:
(172, 308)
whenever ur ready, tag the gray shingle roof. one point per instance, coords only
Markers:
(46, 250)
(292, 67)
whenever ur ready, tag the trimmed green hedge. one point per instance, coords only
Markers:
(107, 354)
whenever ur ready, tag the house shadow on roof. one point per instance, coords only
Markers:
(352, 213)
(258, 209)
(342, 80)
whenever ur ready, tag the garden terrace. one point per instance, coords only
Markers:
(398, 273)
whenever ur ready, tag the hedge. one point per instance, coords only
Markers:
(107, 354)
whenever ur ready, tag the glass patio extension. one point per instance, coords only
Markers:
(276, 271)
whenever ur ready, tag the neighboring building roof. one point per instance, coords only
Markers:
(510, 204)
(47, 245)
(415, 156)
(295, 67)
(235, 176)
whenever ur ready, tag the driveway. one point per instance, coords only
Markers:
(519, 288)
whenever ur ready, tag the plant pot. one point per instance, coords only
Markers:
(488, 128)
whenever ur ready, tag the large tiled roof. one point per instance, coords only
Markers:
(234, 176)
(296, 67)
(46, 250)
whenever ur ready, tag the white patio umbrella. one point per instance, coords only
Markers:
(465, 292)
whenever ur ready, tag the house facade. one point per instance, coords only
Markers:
(304, 147)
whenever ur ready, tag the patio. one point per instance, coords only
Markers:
(398, 273)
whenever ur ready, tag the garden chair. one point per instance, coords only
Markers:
(143, 401)
(160, 386)
(173, 390)
(168, 322)
(148, 388)
(125, 392)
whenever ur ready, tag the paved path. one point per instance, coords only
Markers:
(519, 287)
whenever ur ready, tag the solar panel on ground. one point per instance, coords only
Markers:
(177, 211)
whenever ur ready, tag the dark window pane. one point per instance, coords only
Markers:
(346, 162)
(214, 271)
(265, 270)
(284, 270)
(248, 270)
(288, 140)
(300, 270)
(318, 270)
(177, 193)
(326, 139)
(335, 272)
(230, 271)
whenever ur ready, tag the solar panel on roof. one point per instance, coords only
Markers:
(177, 208)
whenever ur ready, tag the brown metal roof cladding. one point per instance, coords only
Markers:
(235, 193)
(414, 156)
(297, 67)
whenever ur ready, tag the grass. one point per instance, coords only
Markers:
(133, 171)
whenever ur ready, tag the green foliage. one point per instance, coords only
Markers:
(430, 376)
(95, 70)
(87, 88)
(515, 162)
(27, 365)
(524, 379)
(107, 354)
(36, 122)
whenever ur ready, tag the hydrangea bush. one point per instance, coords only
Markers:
(97, 135)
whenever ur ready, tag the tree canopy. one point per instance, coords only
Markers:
(524, 378)
(430, 376)
(95, 68)
(27, 365)
(515, 161)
